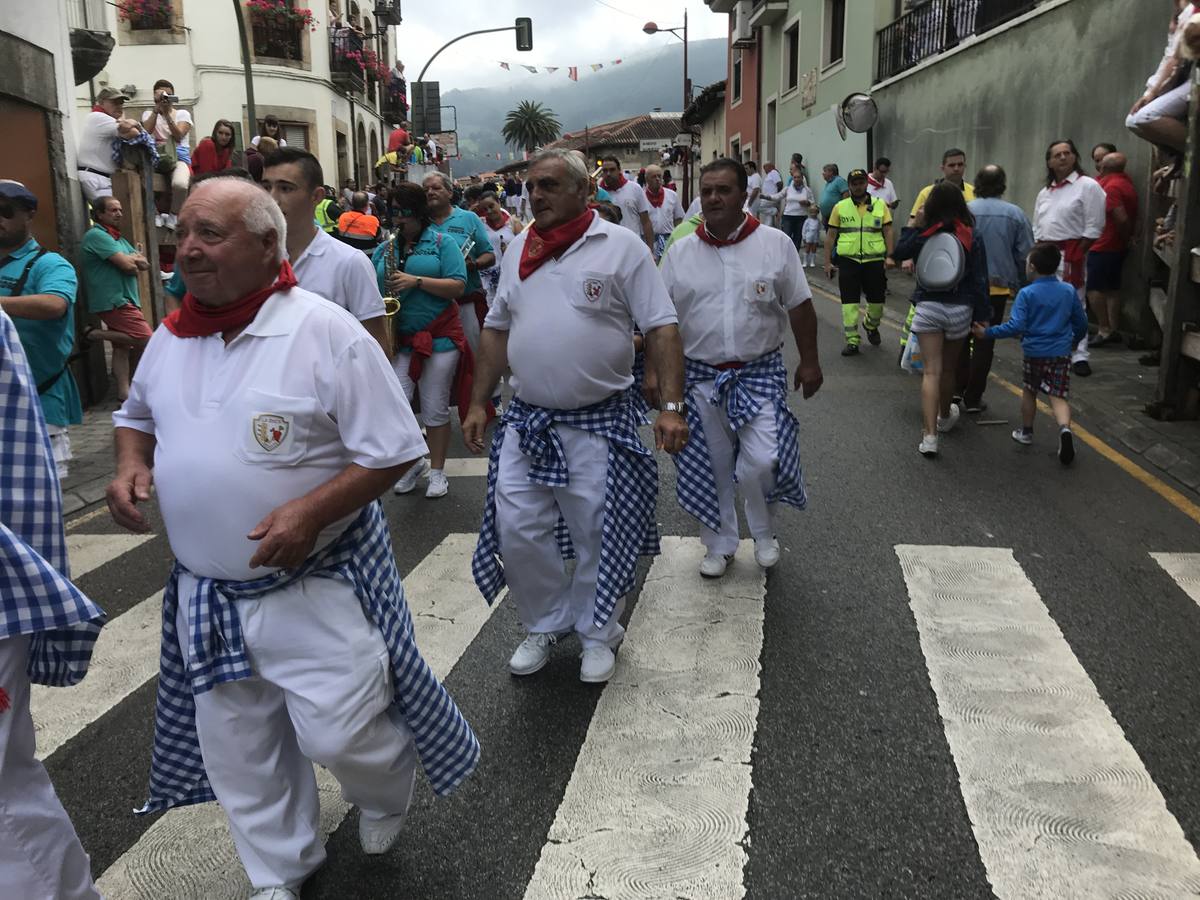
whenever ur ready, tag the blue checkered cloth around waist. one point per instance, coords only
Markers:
(630, 493)
(741, 392)
(362, 556)
(37, 597)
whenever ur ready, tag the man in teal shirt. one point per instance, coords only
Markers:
(37, 290)
(466, 228)
(110, 266)
(836, 190)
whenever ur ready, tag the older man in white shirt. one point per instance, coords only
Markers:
(627, 195)
(665, 209)
(568, 472)
(1070, 212)
(270, 423)
(94, 151)
(738, 288)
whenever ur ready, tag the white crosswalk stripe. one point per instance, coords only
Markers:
(1184, 568)
(657, 804)
(188, 852)
(88, 552)
(1060, 803)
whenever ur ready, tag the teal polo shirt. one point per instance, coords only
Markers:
(461, 225)
(434, 256)
(48, 343)
(107, 286)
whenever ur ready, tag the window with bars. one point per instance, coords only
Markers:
(278, 32)
(736, 94)
(791, 57)
(834, 46)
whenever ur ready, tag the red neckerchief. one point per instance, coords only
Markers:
(747, 229)
(656, 200)
(872, 182)
(1062, 184)
(504, 217)
(193, 319)
(540, 246)
(98, 108)
(624, 181)
(963, 232)
(114, 233)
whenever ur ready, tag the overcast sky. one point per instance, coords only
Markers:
(565, 33)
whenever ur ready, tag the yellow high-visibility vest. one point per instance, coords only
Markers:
(860, 230)
(324, 220)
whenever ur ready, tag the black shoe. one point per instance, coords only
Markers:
(1150, 359)
(850, 350)
(957, 398)
(974, 406)
(873, 337)
(1082, 369)
(1066, 447)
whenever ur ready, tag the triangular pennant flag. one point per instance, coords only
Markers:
(504, 65)
(550, 70)
(532, 69)
(573, 73)
(616, 62)
(596, 67)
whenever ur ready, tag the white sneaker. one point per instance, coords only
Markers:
(378, 835)
(766, 552)
(1021, 437)
(598, 664)
(714, 564)
(532, 654)
(439, 485)
(948, 423)
(274, 893)
(929, 445)
(410, 478)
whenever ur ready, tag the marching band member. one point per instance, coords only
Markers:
(270, 422)
(737, 288)
(567, 452)
(47, 632)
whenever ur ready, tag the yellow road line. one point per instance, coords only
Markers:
(1177, 499)
(86, 517)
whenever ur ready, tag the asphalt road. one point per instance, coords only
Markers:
(855, 786)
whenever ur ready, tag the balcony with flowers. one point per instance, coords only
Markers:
(280, 29)
(355, 66)
(147, 15)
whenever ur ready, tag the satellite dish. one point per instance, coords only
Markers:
(858, 113)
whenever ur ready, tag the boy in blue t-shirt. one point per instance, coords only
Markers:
(1049, 318)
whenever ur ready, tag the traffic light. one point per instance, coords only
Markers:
(524, 33)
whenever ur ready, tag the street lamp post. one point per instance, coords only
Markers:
(652, 28)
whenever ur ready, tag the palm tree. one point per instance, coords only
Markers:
(530, 126)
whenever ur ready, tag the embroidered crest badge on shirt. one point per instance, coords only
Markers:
(270, 430)
(760, 288)
(592, 289)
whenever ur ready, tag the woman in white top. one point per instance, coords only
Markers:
(797, 200)
(271, 129)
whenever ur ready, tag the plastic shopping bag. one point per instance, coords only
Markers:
(910, 359)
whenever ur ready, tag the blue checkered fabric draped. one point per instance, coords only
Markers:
(631, 493)
(37, 597)
(363, 557)
(741, 392)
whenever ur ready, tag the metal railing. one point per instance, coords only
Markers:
(937, 26)
(346, 51)
(87, 15)
(277, 39)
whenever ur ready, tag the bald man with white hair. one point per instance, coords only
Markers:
(665, 209)
(270, 422)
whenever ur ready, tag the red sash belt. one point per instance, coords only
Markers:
(420, 345)
(479, 300)
(726, 366)
(1073, 261)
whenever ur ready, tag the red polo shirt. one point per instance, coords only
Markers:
(1119, 192)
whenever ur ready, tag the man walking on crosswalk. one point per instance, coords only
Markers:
(741, 428)
(272, 421)
(47, 632)
(568, 472)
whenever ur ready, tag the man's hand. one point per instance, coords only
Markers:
(889, 263)
(474, 425)
(141, 262)
(808, 378)
(670, 432)
(978, 330)
(130, 487)
(830, 268)
(288, 535)
(908, 266)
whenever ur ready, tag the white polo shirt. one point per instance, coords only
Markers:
(885, 192)
(1070, 211)
(243, 428)
(570, 323)
(733, 301)
(341, 273)
(94, 149)
(662, 218)
(753, 181)
(631, 198)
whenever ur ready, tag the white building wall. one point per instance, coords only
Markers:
(818, 140)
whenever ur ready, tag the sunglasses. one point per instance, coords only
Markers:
(7, 212)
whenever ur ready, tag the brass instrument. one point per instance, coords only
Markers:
(391, 305)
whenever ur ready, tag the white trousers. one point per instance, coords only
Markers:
(1081, 352)
(437, 379)
(470, 323)
(757, 461)
(95, 185)
(40, 855)
(549, 601)
(321, 693)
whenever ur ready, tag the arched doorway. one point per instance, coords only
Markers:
(372, 178)
(362, 169)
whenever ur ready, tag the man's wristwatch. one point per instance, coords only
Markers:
(419, 279)
(673, 406)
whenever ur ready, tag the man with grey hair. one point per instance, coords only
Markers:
(286, 637)
(567, 461)
(665, 209)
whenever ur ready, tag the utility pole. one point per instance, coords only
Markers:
(251, 114)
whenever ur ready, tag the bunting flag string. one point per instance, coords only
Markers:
(572, 71)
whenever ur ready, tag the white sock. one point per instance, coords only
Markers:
(433, 472)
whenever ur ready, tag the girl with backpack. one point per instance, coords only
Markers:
(951, 293)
